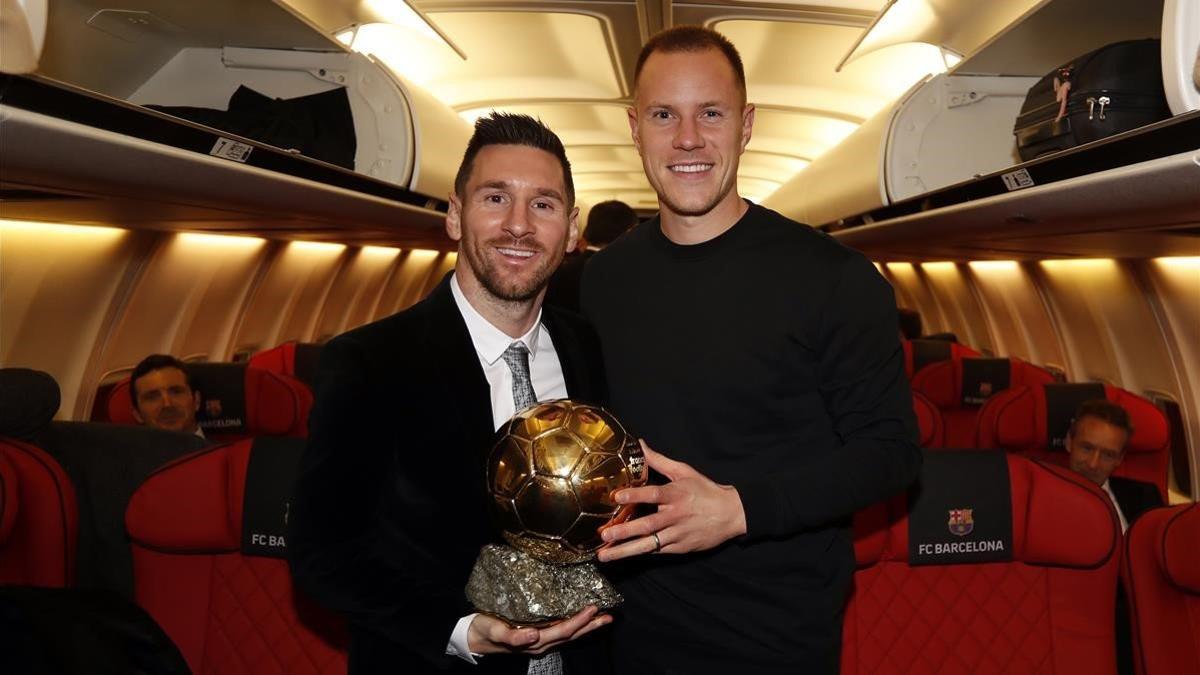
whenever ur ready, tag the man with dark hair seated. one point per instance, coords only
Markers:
(163, 395)
(606, 221)
(910, 323)
(1096, 445)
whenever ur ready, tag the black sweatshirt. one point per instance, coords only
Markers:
(767, 358)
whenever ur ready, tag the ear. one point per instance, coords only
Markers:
(632, 113)
(454, 218)
(573, 229)
(747, 124)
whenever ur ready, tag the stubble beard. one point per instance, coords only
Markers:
(489, 277)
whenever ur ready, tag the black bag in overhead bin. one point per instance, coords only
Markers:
(1113, 89)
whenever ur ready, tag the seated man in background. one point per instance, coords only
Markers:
(1096, 445)
(910, 323)
(163, 395)
(606, 221)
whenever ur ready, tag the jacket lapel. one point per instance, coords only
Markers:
(455, 364)
(574, 368)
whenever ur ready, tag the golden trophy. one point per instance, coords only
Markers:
(551, 479)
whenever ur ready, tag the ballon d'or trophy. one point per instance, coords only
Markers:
(551, 479)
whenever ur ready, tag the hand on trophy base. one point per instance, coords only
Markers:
(524, 591)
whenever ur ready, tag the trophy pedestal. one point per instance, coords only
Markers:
(524, 591)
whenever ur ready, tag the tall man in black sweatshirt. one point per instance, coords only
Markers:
(762, 356)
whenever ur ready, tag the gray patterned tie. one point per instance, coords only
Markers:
(517, 358)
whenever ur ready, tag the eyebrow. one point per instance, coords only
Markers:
(505, 185)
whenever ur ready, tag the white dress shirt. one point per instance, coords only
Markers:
(1113, 498)
(545, 372)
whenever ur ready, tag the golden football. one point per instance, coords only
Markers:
(552, 475)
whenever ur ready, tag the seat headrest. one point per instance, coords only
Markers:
(1179, 554)
(1049, 504)
(295, 359)
(29, 400)
(929, 421)
(197, 504)
(1035, 417)
(236, 401)
(967, 382)
(10, 496)
(921, 353)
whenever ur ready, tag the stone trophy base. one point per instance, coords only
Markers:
(524, 591)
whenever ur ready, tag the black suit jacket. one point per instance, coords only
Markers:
(389, 510)
(1134, 496)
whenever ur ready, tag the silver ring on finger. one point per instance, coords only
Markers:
(657, 542)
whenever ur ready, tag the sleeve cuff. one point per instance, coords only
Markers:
(760, 507)
(458, 640)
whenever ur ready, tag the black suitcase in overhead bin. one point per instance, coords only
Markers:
(1113, 89)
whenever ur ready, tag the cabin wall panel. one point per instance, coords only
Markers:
(407, 285)
(913, 293)
(186, 300)
(355, 291)
(960, 309)
(58, 286)
(284, 306)
(1016, 316)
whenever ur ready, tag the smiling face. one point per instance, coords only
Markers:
(512, 222)
(164, 400)
(691, 124)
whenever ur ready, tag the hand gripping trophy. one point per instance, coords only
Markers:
(551, 477)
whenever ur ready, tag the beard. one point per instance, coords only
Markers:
(513, 288)
(675, 206)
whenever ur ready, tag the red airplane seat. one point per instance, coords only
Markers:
(1034, 420)
(1161, 574)
(236, 402)
(1048, 610)
(960, 386)
(294, 359)
(39, 523)
(203, 575)
(920, 353)
(929, 421)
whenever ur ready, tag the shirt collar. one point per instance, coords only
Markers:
(490, 342)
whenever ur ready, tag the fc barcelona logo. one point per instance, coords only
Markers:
(985, 389)
(961, 522)
(213, 407)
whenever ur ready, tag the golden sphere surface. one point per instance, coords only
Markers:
(552, 474)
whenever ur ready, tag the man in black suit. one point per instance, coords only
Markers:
(1096, 445)
(389, 511)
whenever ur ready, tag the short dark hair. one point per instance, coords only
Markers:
(609, 220)
(1105, 411)
(910, 323)
(692, 39)
(157, 362)
(501, 128)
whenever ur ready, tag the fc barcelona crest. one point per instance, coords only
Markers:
(985, 389)
(961, 522)
(213, 407)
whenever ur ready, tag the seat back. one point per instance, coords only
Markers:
(237, 402)
(920, 353)
(929, 422)
(197, 570)
(1161, 574)
(1033, 420)
(961, 385)
(38, 518)
(294, 359)
(1048, 610)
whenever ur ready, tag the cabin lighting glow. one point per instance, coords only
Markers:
(317, 246)
(994, 265)
(404, 20)
(938, 266)
(380, 251)
(1180, 262)
(219, 240)
(900, 267)
(1080, 264)
(421, 255)
(59, 229)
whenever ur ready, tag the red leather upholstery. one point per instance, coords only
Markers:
(916, 356)
(294, 359)
(1016, 421)
(1050, 610)
(929, 421)
(1161, 571)
(228, 613)
(275, 405)
(942, 384)
(38, 518)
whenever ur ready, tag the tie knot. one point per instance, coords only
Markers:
(517, 356)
